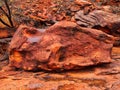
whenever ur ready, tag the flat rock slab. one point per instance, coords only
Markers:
(63, 46)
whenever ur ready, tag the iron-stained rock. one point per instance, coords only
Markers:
(62, 46)
(102, 20)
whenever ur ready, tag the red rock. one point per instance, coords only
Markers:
(98, 19)
(82, 2)
(75, 8)
(62, 46)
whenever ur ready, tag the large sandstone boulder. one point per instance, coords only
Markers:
(62, 46)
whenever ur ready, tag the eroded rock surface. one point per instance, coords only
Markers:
(63, 46)
(99, 19)
(102, 77)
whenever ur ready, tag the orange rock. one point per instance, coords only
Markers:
(82, 2)
(63, 46)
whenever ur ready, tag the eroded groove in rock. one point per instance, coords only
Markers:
(107, 22)
(62, 46)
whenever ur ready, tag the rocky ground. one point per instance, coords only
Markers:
(42, 14)
(104, 77)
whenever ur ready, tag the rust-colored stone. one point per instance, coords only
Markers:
(62, 46)
(98, 19)
(82, 2)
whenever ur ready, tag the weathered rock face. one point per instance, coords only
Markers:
(107, 22)
(63, 46)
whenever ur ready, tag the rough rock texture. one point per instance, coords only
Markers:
(102, 77)
(63, 46)
(102, 20)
